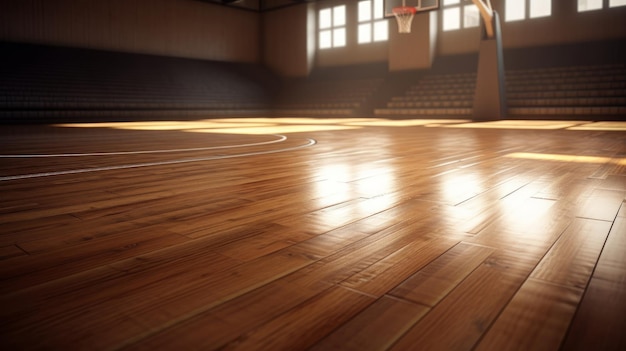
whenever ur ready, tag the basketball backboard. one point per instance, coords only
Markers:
(420, 5)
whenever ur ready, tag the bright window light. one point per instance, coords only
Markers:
(378, 9)
(339, 16)
(381, 31)
(515, 10)
(451, 18)
(368, 29)
(332, 31)
(365, 11)
(325, 18)
(589, 5)
(365, 33)
(617, 3)
(540, 8)
(339, 37)
(471, 17)
(325, 39)
(451, 2)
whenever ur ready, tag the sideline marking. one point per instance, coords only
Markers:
(281, 138)
(310, 142)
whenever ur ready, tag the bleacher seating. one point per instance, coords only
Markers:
(42, 84)
(565, 91)
(556, 92)
(339, 97)
(434, 95)
(63, 83)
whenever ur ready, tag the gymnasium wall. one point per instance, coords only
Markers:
(288, 46)
(182, 28)
(284, 38)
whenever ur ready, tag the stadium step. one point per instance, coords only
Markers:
(578, 90)
(434, 95)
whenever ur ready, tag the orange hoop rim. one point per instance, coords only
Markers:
(404, 10)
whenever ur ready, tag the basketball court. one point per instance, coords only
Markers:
(278, 231)
(281, 208)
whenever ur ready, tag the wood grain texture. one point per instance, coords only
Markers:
(374, 238)
(604, 302)
(537, 318)
(432, 283)
(456, 323)
(376, 328)
(573, 257)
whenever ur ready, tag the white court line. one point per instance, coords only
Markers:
(310, 142)
(281, 138)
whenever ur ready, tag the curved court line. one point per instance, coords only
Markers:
(310, 142)
(281, 138)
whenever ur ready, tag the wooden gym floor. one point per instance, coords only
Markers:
(324, 234)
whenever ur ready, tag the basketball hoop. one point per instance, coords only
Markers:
(404, 15)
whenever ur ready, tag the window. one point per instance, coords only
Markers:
(372, 25)
(471, 16)
(516, 10)
(540, 8)
(591, 5)
(617, 3)
(332, 27)
(453, 12)
(451, 18)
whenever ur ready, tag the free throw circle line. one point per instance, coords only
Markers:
(310, 142)
(281, 138)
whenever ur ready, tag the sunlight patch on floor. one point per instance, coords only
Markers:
(284, 129)
(567, 158)
(406, 122)
(519, 124)
(603, 126)
(268, 125)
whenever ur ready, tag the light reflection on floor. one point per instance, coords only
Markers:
(519, 124)
(310, 124)
(567, 158)
(617, 126)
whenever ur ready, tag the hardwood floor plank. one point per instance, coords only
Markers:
(614, 182)
(26, 271)
(432, 283)
(540, 313)
(76, 232)
(384, 275)
(302, 326)
(521, 199)
(160, 300)
(32, 230)
(537, 318)
(600, 321)
(55, 210)
(573, 257)
(375, 328)
(11, 251)
(262, 241)
(216, 327)
(360, 255)
(459, 321)
(528, 225)
(602, 205)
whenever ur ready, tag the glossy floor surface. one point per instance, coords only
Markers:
(324, 234)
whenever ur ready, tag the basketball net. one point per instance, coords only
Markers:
(404, 15)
